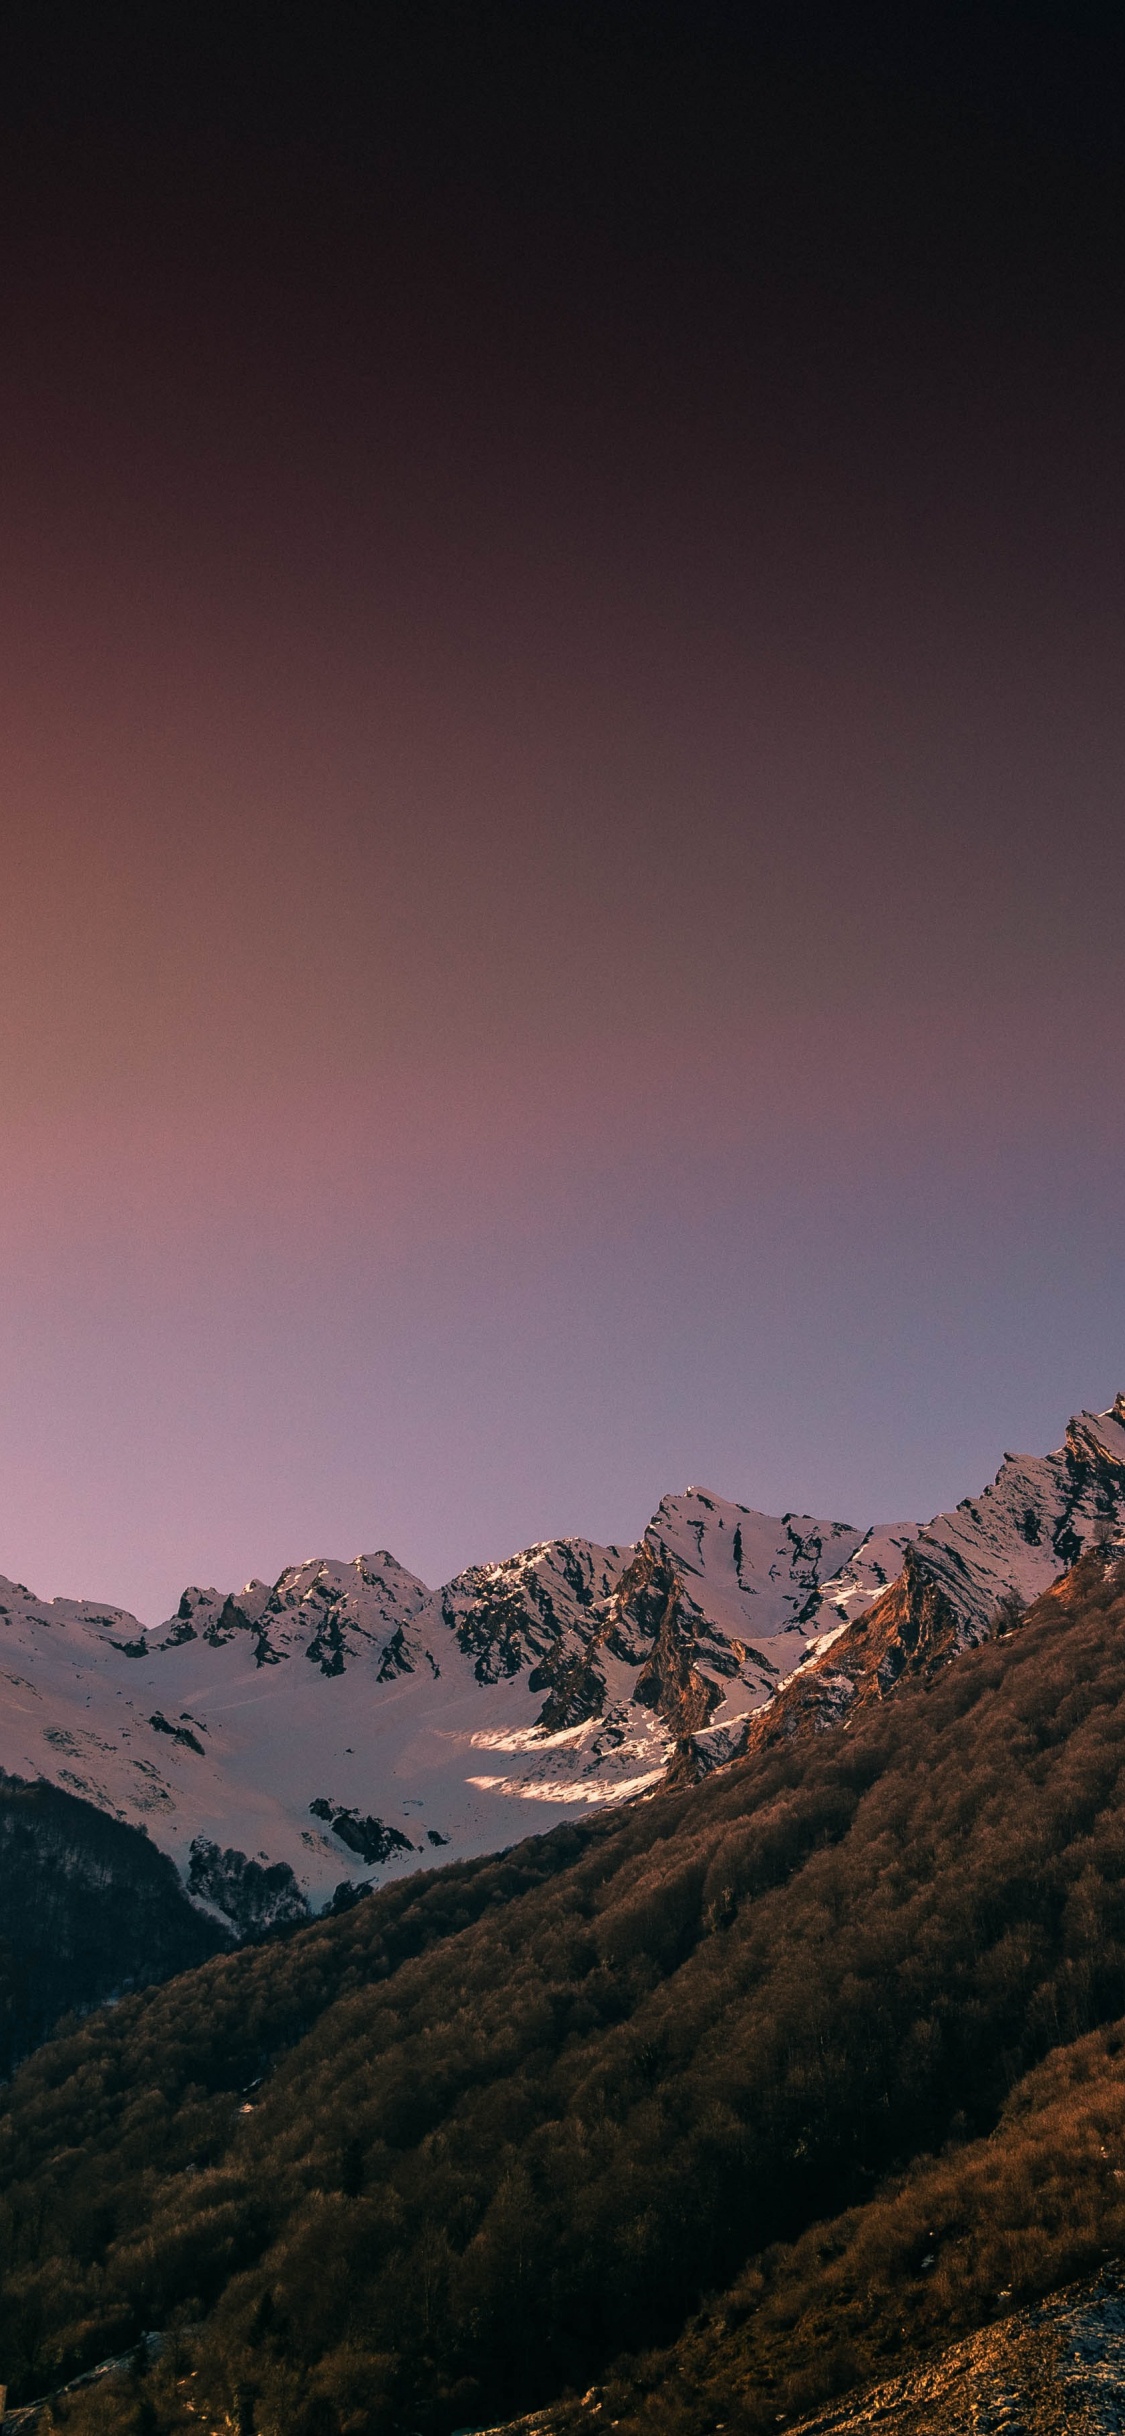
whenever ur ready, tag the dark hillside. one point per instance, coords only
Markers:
(479, 2173)
(88, 1908)
(955, 2242)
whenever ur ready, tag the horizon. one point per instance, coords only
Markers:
(875, 1522)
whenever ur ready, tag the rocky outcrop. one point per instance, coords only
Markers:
(253, 1896)
(913, 1630)
(670, 1681)
(538, 1614)
(370, 1837)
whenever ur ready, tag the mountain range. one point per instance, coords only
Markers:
(281, 1743)
(790, 2097)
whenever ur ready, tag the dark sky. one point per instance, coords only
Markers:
(562, 731)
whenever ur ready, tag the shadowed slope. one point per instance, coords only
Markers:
(88, 1908)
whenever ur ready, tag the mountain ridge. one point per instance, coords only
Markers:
(802, 2070)
(280, 1741)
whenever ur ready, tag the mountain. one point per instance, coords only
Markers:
(288, 1739)
(346, 1718)
(698, 2112)
(967, 1574)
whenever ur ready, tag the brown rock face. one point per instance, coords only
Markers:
(651, 1594)
(913, 1629)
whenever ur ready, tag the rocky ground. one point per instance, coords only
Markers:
(1055, 2369)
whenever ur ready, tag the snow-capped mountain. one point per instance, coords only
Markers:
(329, 1611)
(1033, 1520)
(347, 1720)
(969, 1573)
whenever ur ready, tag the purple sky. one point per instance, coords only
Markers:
(562, 728)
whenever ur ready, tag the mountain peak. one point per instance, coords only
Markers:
(1099, 1436)
(345, 1709)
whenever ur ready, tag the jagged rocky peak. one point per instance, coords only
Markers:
(720, 1603)
(966, 1575)
(333, 1612)
(198, 1616)
(710, 1605)
(1033, 1521)
(745, 1580)
(672, 1641)
(533, 1608)
(754, 1577)
(325, 1609)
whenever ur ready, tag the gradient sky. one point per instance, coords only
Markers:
(562, 737)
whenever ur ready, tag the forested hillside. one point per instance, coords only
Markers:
(88, 1909)
(951, 2243)
(494, 2133)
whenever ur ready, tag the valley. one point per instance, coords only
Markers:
(761, 2078)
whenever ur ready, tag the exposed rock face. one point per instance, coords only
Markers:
(913, 1629)
(966, 1576)
(369, 1837)
(347, 1717)
(326, 1611)
(670, 1680)
(537, 1614)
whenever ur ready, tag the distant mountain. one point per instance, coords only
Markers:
(347, 1719)
(285, 1741)
(697, 2113)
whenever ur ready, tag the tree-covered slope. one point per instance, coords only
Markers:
(517, 2119)
(88, 1909)
(956, 2241)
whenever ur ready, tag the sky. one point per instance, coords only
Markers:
(562, 737)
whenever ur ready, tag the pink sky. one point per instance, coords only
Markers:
(560, 869)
